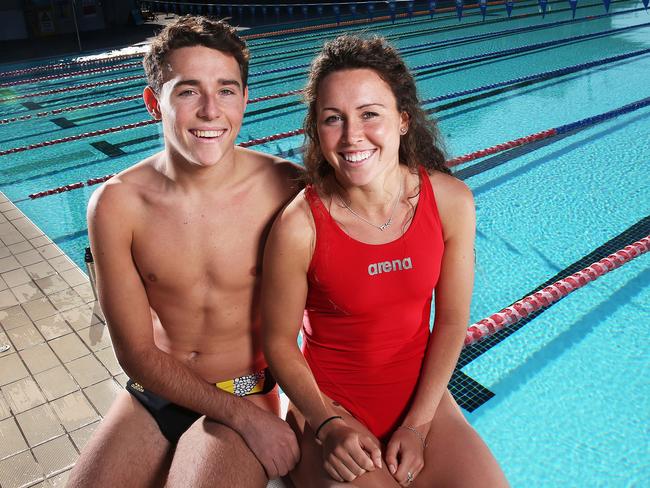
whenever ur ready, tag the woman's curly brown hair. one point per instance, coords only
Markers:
(420, 146)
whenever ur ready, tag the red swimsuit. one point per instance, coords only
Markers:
(367, 313)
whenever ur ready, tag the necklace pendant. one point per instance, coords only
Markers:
(383, 227)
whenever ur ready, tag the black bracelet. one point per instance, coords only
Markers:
(322, 424)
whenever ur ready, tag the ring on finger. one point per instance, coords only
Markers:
(409, 477)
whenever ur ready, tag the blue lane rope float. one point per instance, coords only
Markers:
(476, 57)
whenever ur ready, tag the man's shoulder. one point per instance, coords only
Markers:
(267, 166)
(125, 189)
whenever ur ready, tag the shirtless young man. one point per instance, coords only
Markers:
(178, 241)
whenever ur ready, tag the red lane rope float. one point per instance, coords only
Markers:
(62, 76)
(552, 293)
(101, 179)
(538, 136)
(78, 136)
(70, 109)
(76, 87)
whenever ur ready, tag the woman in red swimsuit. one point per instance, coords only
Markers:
(381, 225)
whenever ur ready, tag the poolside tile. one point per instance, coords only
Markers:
(122, 379)
(40, 270)
(40, 241)
(13, 214)
(69, 347)
(25, 337)
(3, 285)
(52, 284)
(29, 257)
(81, 317)
(81, 436)
(61, 263)
(13, 317)
(39, 424)
(66, 299)
(4, 408)
(74, 276)
(4, 341)
(60, 480)
(103, 394)
(85, 291)
(19, 471)
(96, 337)
(16, 277)
(74, 411)
(108, 359)
(39, 308)
(11, 369)
(6, 206)
(87, 370)
(11, 237)
(53, 327)
(20, 248)
(56, 383)
(23, 395)
(39, 358)
(4, 251)
(7, 299)
(50, 251)
(26, 293)
(27, 228)
(11, 440)
(56, 455)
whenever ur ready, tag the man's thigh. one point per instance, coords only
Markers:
(127, 449)
(214, 455)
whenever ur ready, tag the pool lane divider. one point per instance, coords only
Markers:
(531, 138)
(123, 99)
(450, 62)
(545, 75)
(547, 296)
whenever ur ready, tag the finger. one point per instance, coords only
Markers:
(361, 457)
(350, 463)
(391, 456)
(332, 472)
(343, 470)
(407, 465)
(370, 446)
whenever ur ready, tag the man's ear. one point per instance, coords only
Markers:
(151, 102)
(245, 96)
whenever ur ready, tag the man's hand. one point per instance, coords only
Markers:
(348, 453)
(273, 442)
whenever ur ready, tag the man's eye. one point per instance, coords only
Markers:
(227, 91)
(186, 93)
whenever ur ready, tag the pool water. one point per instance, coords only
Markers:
(571, 399)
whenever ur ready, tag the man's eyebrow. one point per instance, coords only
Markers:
(220, 81)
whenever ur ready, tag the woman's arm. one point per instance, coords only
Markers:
(287, 255)
(453, 295)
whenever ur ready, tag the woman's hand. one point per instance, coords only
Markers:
(347, 452)
(405, 455)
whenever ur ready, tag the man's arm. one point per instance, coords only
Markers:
(112, 217)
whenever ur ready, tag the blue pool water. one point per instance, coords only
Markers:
(571, 404)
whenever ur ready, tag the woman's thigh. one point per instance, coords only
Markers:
(310, 471)
(456, 456)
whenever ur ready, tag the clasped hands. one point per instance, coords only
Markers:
(348, 453)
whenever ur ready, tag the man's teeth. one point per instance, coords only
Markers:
(208, 133)
(357, 156)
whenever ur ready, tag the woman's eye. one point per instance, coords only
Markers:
(333, 119)
(369, 115)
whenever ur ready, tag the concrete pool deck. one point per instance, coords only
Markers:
(59, 375)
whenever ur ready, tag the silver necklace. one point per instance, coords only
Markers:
(381, 227)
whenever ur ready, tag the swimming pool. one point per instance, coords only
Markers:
(570, 404)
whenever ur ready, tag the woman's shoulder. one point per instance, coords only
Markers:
(454, 200)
